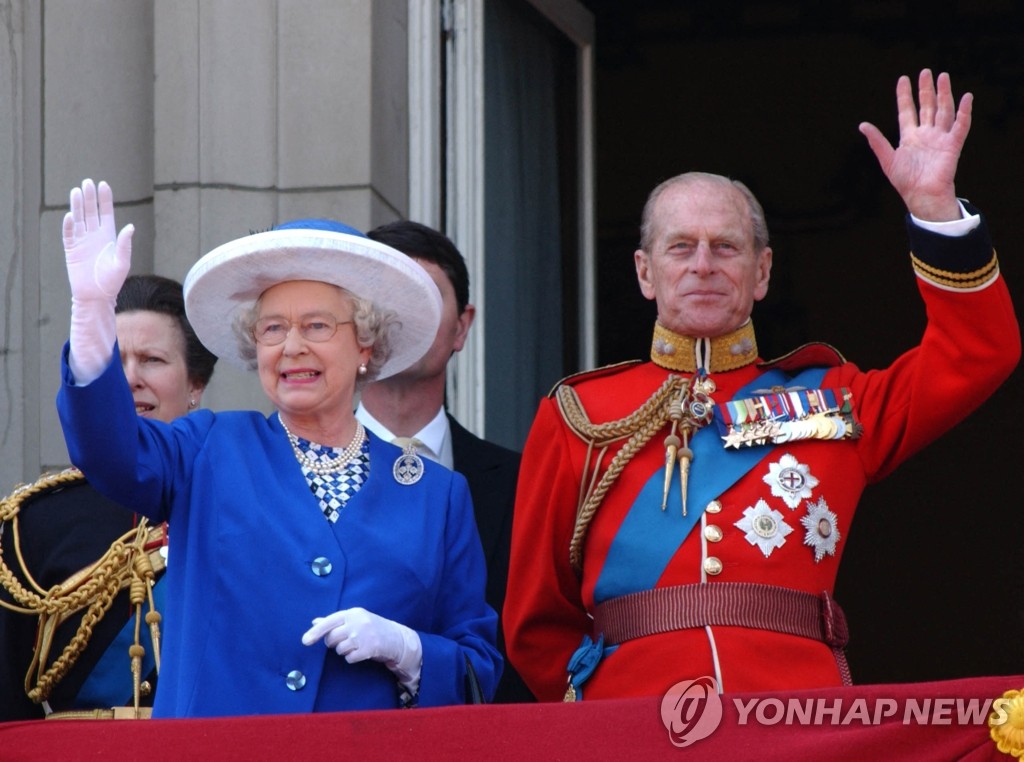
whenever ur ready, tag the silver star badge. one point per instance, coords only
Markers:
(765, 527)
(822, 530)
(790, 480)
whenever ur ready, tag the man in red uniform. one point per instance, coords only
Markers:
(686, 516)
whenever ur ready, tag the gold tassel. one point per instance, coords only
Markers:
(136, 652)
(672, 442)
(685, 456)
(144, 570)
(153, 619)
(137, 593)
(671, 448)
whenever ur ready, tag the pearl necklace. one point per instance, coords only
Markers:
(309, 460)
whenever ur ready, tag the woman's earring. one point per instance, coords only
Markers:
(191, 402)
(362, 369)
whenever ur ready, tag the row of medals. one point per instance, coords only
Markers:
(699, 411)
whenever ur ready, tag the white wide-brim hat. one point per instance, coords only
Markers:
(231, 278)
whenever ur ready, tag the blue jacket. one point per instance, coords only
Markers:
(252, 560)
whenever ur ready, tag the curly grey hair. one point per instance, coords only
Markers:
(372, 324)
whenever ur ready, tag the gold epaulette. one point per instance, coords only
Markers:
(11, 504)
(586, 375)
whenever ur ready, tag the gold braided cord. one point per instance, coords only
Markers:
(126, 563)
(956, 279)
(603, 433)
(639, 427)
(47, 678)
(959, 284)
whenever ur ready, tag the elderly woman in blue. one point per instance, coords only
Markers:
(316, 568)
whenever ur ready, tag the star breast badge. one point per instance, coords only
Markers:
(764, 527)
(822, 532)
(790, 480)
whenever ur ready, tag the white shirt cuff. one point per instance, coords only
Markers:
(953, 228)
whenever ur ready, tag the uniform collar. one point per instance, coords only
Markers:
(687, 354)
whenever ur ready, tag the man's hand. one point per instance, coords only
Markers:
(922, 168)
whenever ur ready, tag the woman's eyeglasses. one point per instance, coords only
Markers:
(270, 331)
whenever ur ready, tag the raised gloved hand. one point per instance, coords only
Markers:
(97, 260)
(358, 635)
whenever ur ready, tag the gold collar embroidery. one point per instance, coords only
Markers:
(674, 351)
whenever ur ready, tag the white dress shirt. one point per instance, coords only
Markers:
(436, 436)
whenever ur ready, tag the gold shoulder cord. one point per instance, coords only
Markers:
(126, 563)
(638, 428)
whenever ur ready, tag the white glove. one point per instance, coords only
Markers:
(358, 635)
(97, 262)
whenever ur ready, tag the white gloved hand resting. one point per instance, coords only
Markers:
(97, 260)
(358, 635)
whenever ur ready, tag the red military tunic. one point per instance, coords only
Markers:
(970, 345)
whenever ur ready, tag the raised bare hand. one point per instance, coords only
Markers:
(923, 166)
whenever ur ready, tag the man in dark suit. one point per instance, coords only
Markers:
(410, 407)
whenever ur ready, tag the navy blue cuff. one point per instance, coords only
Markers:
(962, 262)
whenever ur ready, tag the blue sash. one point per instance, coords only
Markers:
(110, 682)
(648, 538)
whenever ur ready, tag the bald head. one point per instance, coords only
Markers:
(758, 226)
